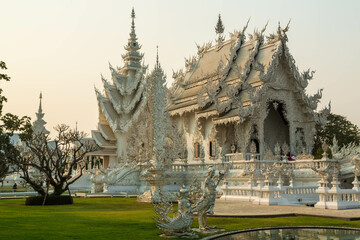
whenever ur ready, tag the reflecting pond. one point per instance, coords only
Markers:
(296, 234)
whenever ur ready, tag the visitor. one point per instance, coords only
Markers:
(291, 157)
(15, 187)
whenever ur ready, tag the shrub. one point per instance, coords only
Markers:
(50, 200)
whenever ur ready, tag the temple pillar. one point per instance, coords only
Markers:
(121, 145)
(309, 132)
(292, 138)
(261, 137)
(105, 162)
(112, 162)
(190, 126)
(208, 128)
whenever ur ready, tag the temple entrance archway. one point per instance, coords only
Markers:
(276, 126)
(257, 144)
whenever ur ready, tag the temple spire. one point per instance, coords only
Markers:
(39, 123)
(219, 29)
(157, 58)
(40, 108)
(132, 33)
(40, 113)
(133, 17)
(132, 58)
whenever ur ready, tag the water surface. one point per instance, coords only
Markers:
(296, 234)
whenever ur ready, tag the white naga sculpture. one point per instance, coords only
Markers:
(180, 224)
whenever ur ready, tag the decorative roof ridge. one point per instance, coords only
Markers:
(227, 105)
(257, 39)
(179, 79)
(225, 71)
(200, 80)
(226, 42)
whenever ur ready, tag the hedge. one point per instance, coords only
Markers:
(50, 200)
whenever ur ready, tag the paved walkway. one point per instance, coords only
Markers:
(247, 209)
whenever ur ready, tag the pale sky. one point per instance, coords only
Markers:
(61, 47)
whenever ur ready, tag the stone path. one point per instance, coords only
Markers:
(247, 209)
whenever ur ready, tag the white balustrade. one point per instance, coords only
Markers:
(195, 167)
(337, 198)
(266, 193)
(271, 195)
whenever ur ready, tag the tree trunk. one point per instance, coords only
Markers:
(38, 189)
(58, 189)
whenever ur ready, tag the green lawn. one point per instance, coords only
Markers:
(113, 218)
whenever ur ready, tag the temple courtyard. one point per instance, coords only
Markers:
(124, 218)
(250, 210)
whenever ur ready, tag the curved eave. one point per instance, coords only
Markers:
(134, 115)
(102, 142)
(106, 132)
(124, 84)
(108, 111)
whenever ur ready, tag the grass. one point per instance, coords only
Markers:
(12, 187)
(114, 218)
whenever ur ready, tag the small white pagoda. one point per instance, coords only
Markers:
(39, 123)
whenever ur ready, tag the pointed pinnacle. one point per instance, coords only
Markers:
(279, 29)
(263, 30)
(133, 19)
(219, 28)
(287, 27)
(157, 56)
(133, 13)
(247, 24)
(40, 106)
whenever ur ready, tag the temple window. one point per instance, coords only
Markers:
(196, 150)
(212, 148)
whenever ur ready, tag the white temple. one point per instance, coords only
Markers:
(238, 105)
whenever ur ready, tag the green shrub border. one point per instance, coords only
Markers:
(50, 200)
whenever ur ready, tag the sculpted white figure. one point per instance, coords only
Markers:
(97, 179)
(179, 225)
(207, 201)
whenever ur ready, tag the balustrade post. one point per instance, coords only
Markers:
(226, 187)
(291, 182)
(356, 188)
(280, 182)
(323, 194)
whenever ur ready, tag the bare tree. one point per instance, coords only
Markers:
(53, 160)
(9, 124)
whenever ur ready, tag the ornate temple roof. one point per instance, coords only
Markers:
(226, 80)
(123, 98)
